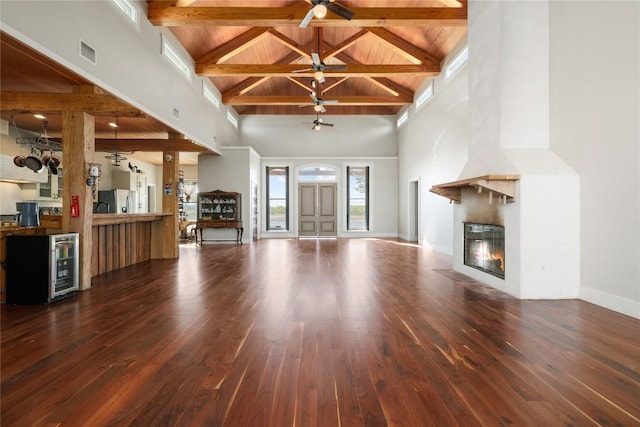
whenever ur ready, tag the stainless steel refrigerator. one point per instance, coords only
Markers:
(118, 201)
(41, 268)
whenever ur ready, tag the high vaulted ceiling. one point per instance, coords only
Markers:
(251, 53)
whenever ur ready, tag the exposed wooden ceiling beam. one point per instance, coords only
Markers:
(302, 50)
(185, 145)
(163, 13)
(331, 86)
(93, 103)
(253, 82)
(346, 44)
(345, 101)
(284, 70)
(234, 46)
(302, 85)
(403, 47)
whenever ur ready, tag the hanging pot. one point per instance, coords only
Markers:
(52, 162)
(33, 162)
(18, 161)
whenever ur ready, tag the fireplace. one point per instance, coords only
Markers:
(484, 248)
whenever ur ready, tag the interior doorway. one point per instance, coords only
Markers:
(414, 211)
(317, 211)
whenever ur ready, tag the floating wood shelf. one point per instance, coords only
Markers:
(504, 186)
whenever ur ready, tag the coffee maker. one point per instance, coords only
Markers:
(29, 213)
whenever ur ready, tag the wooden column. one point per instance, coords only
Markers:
(166, 232)
(78, 136)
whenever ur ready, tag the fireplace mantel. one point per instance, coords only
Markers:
(503, 185)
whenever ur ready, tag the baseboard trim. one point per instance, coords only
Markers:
(609, 301)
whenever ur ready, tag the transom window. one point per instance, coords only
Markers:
(317, 173)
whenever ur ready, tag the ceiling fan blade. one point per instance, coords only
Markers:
(308, 17)
(315, 58)
(326, 124)
(340, 10)
(322, 109)
(314, 98)
(337, 67)
(304, 70)
(330, 101)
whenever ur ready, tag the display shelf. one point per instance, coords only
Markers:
(219, 209)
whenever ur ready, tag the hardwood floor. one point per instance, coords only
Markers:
(343, 332)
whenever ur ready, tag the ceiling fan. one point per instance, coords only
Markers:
(319, 10)
(318, 103)
(319, 122)
(320, 67)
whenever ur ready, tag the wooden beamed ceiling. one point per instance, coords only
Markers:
(255, 54)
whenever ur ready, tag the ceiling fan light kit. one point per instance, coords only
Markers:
(319, 10)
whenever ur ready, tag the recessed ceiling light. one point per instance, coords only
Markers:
(39, 116)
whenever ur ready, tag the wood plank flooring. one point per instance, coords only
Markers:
(349, 332)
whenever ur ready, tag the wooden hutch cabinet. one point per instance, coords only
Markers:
(220, 209)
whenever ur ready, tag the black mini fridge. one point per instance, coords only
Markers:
(41, 268)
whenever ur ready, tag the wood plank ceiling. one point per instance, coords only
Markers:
(250, 53)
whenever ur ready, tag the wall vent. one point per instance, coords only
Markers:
(88, 53)
(176, 113)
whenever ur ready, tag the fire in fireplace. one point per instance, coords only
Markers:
(484, 248)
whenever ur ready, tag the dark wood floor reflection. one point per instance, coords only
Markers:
(314, 333)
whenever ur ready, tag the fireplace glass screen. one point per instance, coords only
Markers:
(484, 248)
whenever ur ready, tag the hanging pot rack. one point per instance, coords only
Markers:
(40, 142)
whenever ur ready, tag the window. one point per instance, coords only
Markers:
(210, 95)
(277, 198)
(457, 62)
(127, 7)
(402, 118)
(317, 174)
(425, 95)
(172, 54)
(232, 119)
(358, 198)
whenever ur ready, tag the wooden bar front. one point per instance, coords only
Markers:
(120, 240)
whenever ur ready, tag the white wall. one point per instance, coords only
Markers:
(129, 61)
(595, 127)
(432, 148)
(292, 136)
(229, 172)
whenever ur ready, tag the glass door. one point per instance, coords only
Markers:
(64, 264)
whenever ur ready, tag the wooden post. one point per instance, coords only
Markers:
(78, 136)
(166, 232)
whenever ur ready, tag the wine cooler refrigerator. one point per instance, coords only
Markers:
(41, 268)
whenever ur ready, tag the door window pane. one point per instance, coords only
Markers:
(278, 198)
(358, 198)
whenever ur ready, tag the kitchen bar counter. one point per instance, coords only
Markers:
(106, 219)
(120, 240)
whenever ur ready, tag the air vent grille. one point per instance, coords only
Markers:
(176, 113)
(88, 53)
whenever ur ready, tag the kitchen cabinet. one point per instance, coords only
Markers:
(52, 189)
(219, 209)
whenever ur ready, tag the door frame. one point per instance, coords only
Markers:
(295, 197)
(317, 194)
(414, 213)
